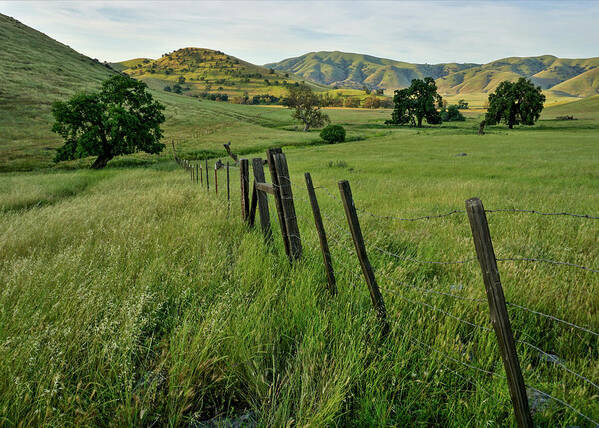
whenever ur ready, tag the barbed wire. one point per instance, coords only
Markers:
(524, 308)
(564, 403)
(553, 262)
(556, 360)
(518, 210)
(436, 262)
(425, 217)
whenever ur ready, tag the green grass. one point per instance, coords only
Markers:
(133, 297)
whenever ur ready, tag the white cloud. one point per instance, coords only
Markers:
(266, 31)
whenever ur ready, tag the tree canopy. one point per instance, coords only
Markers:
(418, 102)
(306, 106)
(122, 118)
(515, 103)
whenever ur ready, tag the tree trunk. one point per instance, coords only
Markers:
(481, 128)
(306, 127)
(101, 161)
(420, 122)
(511, 125)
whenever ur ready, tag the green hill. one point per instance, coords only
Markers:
(36, 71)
(356, 70)
(585, 84)
(587, 108)
(201, 71)
(561, 77)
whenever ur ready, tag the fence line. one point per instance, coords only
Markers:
(283, 182)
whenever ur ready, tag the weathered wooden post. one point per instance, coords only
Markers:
(197, 172)
(270, 153)
(293, 233)
(354, 226)
(207, 176)
(498, 310)
(245, 184)
(262, 198)
(322, 236)
(215, 180)
(228, 186)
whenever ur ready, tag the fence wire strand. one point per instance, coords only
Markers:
(518, 210)
(553, 262)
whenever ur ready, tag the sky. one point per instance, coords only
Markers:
(268, 31)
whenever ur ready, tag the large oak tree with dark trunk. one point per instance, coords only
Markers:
(122, 118)
(418, 102)
(515, 103)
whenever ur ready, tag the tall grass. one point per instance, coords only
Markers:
(132, 297)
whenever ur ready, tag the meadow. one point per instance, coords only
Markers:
(131, 296)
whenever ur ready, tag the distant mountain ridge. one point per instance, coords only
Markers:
(357, 70)
(567, 77)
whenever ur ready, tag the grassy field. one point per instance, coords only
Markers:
(132, 297)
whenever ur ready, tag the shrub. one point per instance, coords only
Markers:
(333, 134)
(452, 114)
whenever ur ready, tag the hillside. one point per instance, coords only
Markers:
(356, 70)
(561, 77)
(199, 72)
(587, 108)
(36, 70)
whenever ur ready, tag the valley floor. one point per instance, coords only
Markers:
(131, 296)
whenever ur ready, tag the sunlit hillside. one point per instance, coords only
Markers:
(197, 72)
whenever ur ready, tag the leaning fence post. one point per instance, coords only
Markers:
(262, 198)
(270, 156)
(215, 180)
(245, 184)
(207, 176)
(498, 310)
(322, 236)
(354, 226)
(228, 186)
(293, 233)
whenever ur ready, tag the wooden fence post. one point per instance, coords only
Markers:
(498, 310)
(197, 173)
(262, 197)
(215, 180)
(322, 236)
(270, 153)
(245, 184)
(228, 186)
(354, 226)
(293, 234)
(207, 176)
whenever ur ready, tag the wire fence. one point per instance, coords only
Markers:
(417, 296)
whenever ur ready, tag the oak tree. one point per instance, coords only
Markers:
(122, 118)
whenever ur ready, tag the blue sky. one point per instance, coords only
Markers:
(268, 31)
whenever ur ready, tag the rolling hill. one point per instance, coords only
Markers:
(356, 70)
(199, 71)
(558, 76)
(36, 70)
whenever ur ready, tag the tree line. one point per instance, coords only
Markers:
(123, 117)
